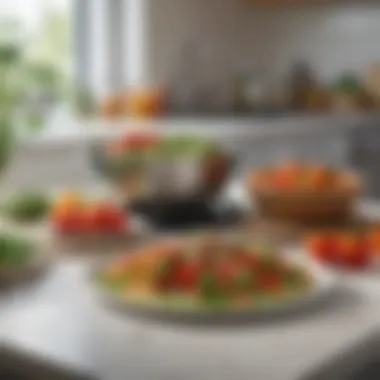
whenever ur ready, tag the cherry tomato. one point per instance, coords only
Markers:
(323, 247)
(358, 260)
(105, 217)
(70, 222)
(187, 276)
(116, 221)
(354, 251)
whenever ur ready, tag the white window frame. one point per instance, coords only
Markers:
(100, 44)
(111, 44)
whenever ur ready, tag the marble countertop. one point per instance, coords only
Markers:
(58, 322)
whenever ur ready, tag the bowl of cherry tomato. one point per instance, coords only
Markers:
(82, 224)
(305, 193)
(346, 249)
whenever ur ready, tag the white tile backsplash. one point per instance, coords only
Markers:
(333, 36)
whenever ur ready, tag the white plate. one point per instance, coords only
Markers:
(324, 284)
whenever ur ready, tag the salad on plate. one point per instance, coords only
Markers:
(206, 273)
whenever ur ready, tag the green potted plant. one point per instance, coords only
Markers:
(9, 99)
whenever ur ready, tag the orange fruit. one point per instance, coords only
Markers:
(70, 201)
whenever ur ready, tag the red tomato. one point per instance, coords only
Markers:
(106, 217)
(358, 260)
(96, 215)
(323, 247)
(117, 223)
(187, 276)
(354, 251)
(116, 220)
(70, 222)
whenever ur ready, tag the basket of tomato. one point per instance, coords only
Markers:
(304, 193)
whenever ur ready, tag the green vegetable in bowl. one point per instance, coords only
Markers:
(14, 250)
(27, 206)
(180, 146)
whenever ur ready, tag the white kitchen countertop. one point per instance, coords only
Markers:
(59, 320)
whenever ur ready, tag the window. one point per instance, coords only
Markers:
(71, 52)
(38, 32)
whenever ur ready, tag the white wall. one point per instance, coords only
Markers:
(232, 32)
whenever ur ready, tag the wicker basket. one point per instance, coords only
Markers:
(308, 207)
